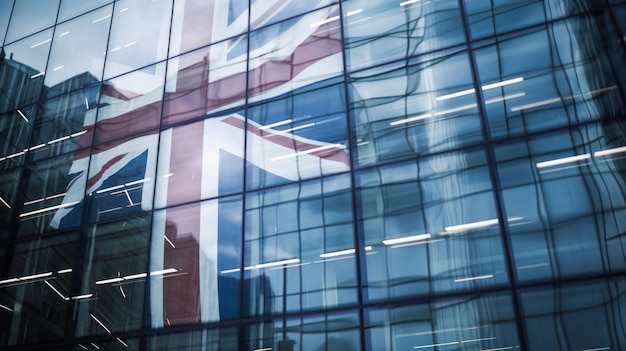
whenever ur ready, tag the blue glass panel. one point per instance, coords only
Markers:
(30, 16)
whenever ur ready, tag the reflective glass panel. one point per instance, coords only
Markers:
(383, 31)
(585, 316)
(551, 76)
(121, 178)
(118, 344)
(112, 289)
(430, 226)
(30, 16)
(407, 109)
(5, 12)
(72, 8)
(15, 129)
(293, 54)
(9, 181)
(139, 35)
(198, 250)
(224, 338)
(200, 160)
(130, 104)
(77, 55)
(65, 124)
(267, 12)
(299, 248)
(53, 195)
(198, 23)
(336, 331)
(300, 137)
(35, 290)
(204, 82)
(569, 191)
(472, 323)
(23, 69)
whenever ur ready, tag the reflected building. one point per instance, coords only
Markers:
(312, 175)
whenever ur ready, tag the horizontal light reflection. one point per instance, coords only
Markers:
(69, 204)
(560, 161)
(408, 2)
(337, 253)
(277, 124)
(606, 152)
(407, 239)
(277, 263)
(488, 276)
(475, 225)
(436, 345)
(5, 308)
(321, 148)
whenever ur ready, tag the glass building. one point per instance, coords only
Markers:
(314, 175)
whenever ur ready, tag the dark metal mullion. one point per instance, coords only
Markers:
(493, 172)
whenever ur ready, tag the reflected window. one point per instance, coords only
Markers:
(223, 338)
(299, 137)
(114, 277)
(471, 323)
(570, 189)
(200, 160)
(336, 331)
(384, 31)
(431, 226)
(299, 248)
(197, 251)
(401, 110)
(139, 35)
(37, 282)
(15, 129)
(551, 76)
(73, 8)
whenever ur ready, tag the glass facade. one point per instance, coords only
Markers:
(312, 175)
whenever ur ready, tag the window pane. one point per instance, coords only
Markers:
(60, 126)
(260, 11)
(300, 137)
(431, 226)
(30, 16)
(72, 8)
(121, 178)
(203, 82)
(15, 128)
(77, 55)
(114, 277)
(53, 196)
(473, 323)
(569, 191)
(299, 248)
(35, 283)
(550, 77)
(5, 12)
(139, 35)
(23, 69)
(401, 111)
(203, 282)
(130, 104)
(584, 316)
(224, 338)
(200, 161)
(381, 31)
(292, 54)
(337, 331)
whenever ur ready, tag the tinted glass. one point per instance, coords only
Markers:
(30, 16)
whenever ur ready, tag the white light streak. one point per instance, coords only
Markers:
(407, 239)
(108, 281)
(354, 12)
(436, 345)
(4, 202)
(597, 349)
(69, 204)
(498, 349)
(96, 346)
(43, 199)
(63, 271)
(264, 349)
(58, 68)
(41, 43)
(169, 241)
(121, 342)
(116, 49)
(16, 154)
(102, 325)
(37, 146)
(79, 133)
(228, 271)
(328, 20)
(164, 271)
(83, 347)
(55, 290)
(468, 226)
(408, 2)
(22, 115)
(35, 276)
(412, 119)
(86, 104)
(37, 75)
(109, 189)
(100, 19)
(8, 281)
(137, 182)
(536, 104)
(130, 44)
(606, 152)
(64, 34)
(122, 292)
(488, 276)
(135, 276)
(457, 94)
(285, 131)
(321, 148)
(337, 253)
(277, 263)
(58, 139)
(124, 9)
(277, 124)
(505, 97)
(564, 160)
(5, 308)
(502, 83)
(81, 297)
(477, 340)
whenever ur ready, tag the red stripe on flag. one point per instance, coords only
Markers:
(96, 177)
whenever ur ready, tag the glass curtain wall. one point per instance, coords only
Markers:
(312, 175)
